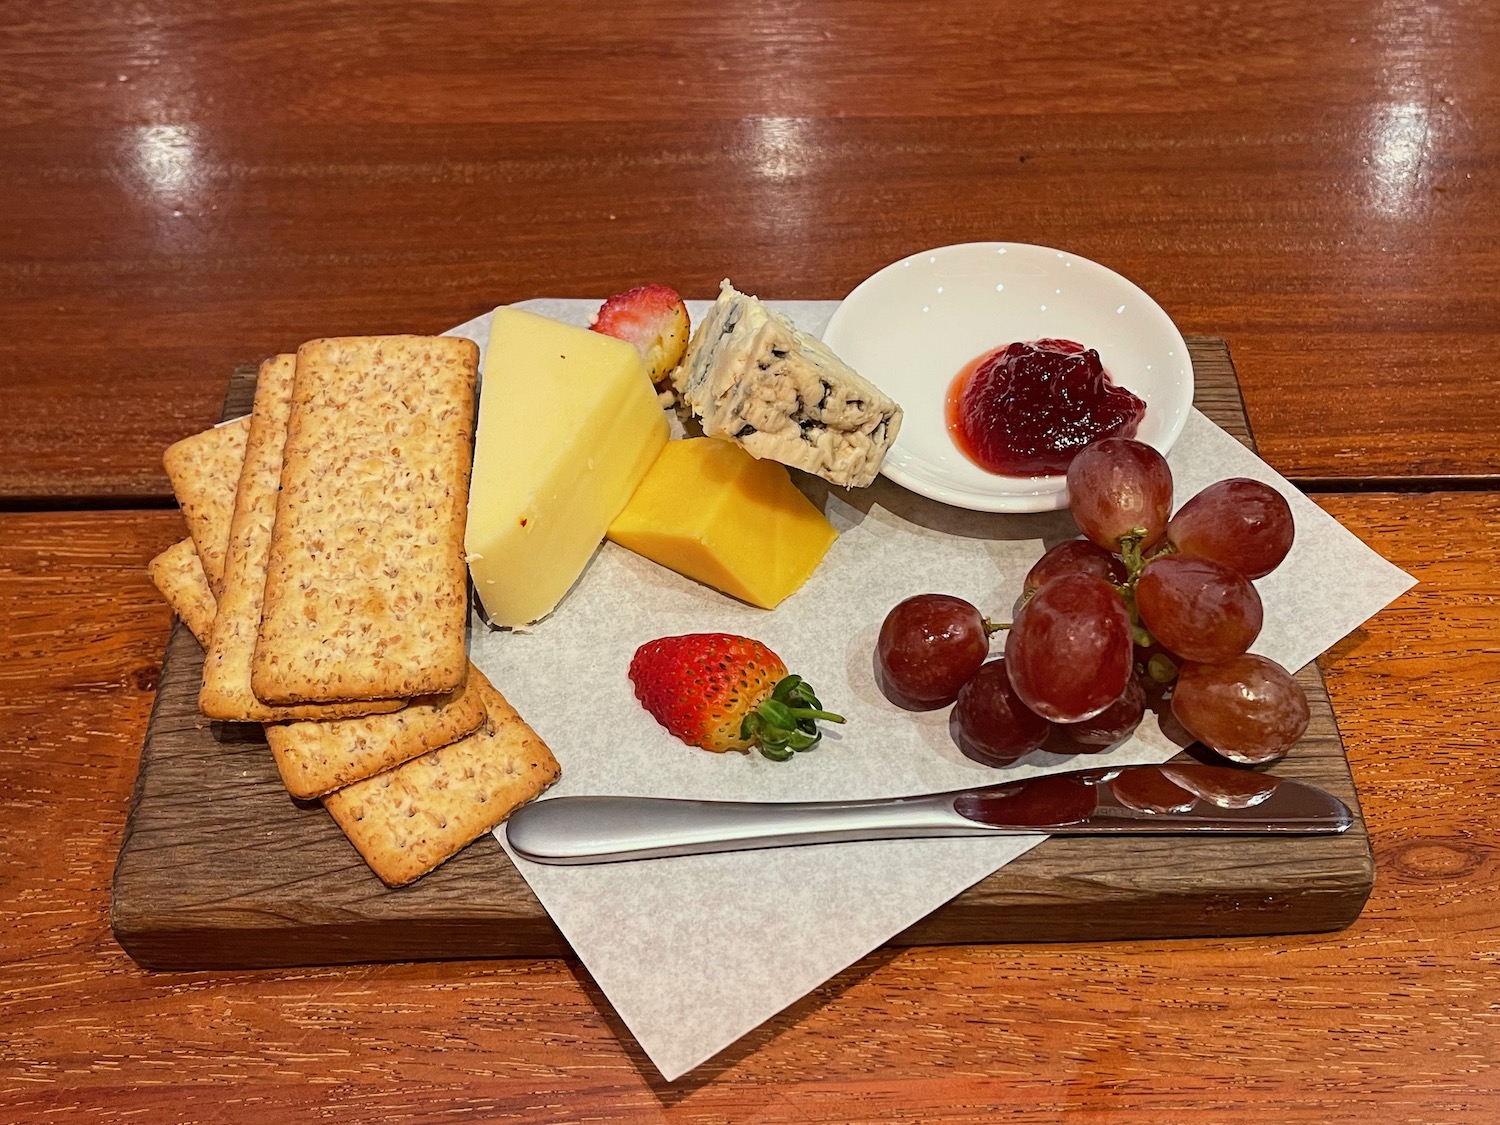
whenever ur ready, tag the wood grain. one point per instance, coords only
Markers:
(1392, 1017)
(220, 869)
(184, 189)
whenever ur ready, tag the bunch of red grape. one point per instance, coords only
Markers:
(1149, 606)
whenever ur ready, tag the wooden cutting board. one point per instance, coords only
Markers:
(219, 868)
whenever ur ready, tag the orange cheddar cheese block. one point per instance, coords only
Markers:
(709, 510)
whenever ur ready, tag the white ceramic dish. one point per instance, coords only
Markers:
(911, 327)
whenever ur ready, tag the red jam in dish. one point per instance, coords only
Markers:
(1027, 409)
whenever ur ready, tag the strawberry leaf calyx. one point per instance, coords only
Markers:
(787, 720)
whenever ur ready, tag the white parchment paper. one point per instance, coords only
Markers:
(694, 952)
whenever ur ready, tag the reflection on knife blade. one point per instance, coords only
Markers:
(1057, 802)
(1178, 798)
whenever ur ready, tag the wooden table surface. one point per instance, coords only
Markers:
(184, 188)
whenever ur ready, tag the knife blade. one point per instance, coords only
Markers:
(1176, 798)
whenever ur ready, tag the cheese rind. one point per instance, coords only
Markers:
(568, 425)
(752, 376)
(710, 511)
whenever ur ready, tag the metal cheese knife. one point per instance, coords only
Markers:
(1174, 799)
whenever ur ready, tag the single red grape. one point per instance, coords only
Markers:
(1114, 722)
(1197, 608)
(1119, 486)
(1241, 523)
(929, 646)
(1248, 709)
(993, 725)
(1069, 651)
(1076, 556)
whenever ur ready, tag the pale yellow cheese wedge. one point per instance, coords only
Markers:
(568, 425)
(711, 511)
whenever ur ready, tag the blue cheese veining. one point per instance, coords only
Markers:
(754, 377)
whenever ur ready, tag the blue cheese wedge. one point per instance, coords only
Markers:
(752, 376)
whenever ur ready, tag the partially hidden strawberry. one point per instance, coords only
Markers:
(654, 319)
(723, 692)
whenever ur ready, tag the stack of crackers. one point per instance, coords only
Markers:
(325, 578)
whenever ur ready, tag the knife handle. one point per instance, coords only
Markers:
(568, 830)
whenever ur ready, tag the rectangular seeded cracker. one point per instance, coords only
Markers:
(226, 692)
(315, 758)
(366, 587)
(411, 819)
(178, 574)
(204, 470)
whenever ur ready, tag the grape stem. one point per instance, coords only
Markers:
(993, 627)
(1130, 554)
(1135, 562)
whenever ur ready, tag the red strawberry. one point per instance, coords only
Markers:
(723, 692)
(654, 319)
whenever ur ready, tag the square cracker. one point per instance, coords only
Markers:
(366, 587)
(178, 574)
(411, 819)
(226, 692)
(315, 758)
(204, 470)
